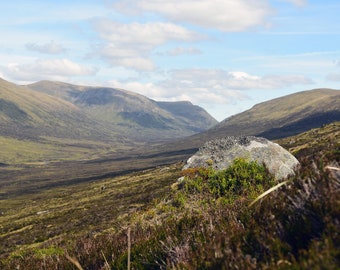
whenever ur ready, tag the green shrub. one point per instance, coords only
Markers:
(179, 200)
(242, 177)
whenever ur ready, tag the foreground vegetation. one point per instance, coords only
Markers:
(151, 221)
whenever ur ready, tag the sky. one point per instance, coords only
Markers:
(223, 55)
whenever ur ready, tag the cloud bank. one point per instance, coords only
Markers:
(56, 69)
(224, 15)
(131, 45)
(216, 86)
(48, 48)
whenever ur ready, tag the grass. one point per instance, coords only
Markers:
(311, 142)
(203, 222)
(14, 151)
(56, 213)
(290, 229)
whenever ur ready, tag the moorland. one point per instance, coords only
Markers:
(78, 190)
(186, 227)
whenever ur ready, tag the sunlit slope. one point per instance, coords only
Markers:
(284, 116)
(36, 127)
(25, 113)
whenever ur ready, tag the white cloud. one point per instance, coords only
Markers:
(48, 48)
(57, 69)
(335, 77)
(131, 45)
(299, 3)
(182, 50)
(209, 86)
(219, 79)
(244, 81)
(148, 34)
(224, 15)
(118, 55)
(149, 90)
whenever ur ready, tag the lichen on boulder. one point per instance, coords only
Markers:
(220, 153)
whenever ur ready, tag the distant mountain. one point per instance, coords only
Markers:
(54, 121)
(134, 115)
(273, 119)
(193, 116)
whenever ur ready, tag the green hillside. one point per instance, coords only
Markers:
(29, 114)
(36, 127)
(285, 116)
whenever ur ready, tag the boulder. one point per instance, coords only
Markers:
(220, 153)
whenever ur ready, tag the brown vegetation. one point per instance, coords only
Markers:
(203, 222)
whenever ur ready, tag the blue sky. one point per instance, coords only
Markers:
(224, 55)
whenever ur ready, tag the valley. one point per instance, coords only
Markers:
(79, 165)
(183, 135)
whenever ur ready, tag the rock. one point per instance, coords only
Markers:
(220, 154)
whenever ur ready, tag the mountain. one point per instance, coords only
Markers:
(134, 115)
(278, 118)
(105, 120)
(285, 116)
(49, 121)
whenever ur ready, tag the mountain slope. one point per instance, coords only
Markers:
(134, 115)
(193, 116)
(25, 113)
(38, 128)
(284, 116)
(273, 119)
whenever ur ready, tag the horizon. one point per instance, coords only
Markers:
(225, 56)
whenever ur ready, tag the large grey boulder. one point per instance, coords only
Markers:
(220, 154)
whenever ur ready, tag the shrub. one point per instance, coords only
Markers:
(242, 177)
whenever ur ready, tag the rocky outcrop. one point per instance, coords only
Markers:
(220, 153)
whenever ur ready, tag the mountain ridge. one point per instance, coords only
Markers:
(125, 108)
